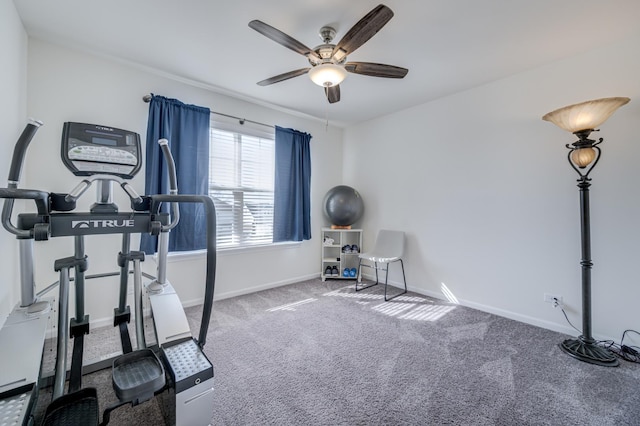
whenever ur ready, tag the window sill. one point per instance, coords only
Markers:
(232, 251)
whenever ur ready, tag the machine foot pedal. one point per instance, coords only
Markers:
(74, 409)
(137, 376)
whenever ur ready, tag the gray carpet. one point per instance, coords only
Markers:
(318, 353)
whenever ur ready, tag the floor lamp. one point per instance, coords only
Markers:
(582, 119)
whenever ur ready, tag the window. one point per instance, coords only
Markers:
(241, 174)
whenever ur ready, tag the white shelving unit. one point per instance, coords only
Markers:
(334, 256)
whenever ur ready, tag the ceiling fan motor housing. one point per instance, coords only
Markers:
(325, 51)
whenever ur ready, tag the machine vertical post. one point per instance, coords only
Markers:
(27, 280)
(124, 272)
(63, 334)
(163, 250)
(79, 277)
(137, 291)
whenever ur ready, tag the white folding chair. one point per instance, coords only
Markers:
(389, 248)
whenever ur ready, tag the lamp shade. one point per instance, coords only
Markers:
(582, 157)
(586, 115)
(327, 75)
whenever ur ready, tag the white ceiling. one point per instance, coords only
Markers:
(448, 46)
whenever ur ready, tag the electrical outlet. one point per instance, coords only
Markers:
(553, 299)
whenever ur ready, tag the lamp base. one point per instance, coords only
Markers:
(589, 352)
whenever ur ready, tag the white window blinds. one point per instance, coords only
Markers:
(241, 171)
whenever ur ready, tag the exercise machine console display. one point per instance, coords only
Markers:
(175, 368)
(89, 149)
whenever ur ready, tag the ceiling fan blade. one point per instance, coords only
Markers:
(282, 38)
(376, 70)
(283, 77)
(362, 31)
(333, 93)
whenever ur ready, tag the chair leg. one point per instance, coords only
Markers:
(385, 283)
(404, 278)
(360, 276)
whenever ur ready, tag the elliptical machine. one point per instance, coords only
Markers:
(176, 368)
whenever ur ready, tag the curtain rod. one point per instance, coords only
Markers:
(147, 99)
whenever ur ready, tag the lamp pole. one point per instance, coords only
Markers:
(586, 152)
(585, 262)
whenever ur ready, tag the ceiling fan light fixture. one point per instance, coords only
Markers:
(327, 75)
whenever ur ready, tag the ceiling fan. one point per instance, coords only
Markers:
(329, 66)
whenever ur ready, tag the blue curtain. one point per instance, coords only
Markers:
(186, 127)
(292, 188)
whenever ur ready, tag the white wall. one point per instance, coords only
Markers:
(13, 118)
(482, 187)
(68, 85)
(479, 183)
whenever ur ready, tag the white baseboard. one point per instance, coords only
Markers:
(560, 328)
(101, 322)
(265, 286)
(503, 313)
(108, 321)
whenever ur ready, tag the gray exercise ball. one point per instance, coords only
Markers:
(343, 205)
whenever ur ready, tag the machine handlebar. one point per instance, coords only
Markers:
(20, 150)
(12, 192)
(210, 279)
(77, 191)
(173, 183)
(82, 187)
(41, 199)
